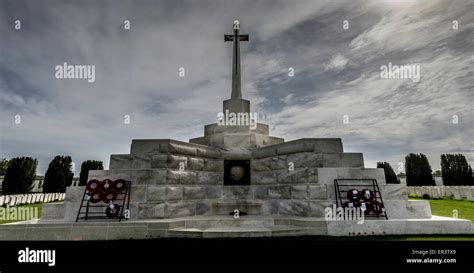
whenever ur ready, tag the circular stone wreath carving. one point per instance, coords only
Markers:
(237, 172)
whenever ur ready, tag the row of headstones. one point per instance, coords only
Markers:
(31, 198)
(438, 192)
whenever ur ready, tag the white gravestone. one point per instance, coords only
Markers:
(464, 191)
(434, 193)
(468, 193)
(442, 191)
(456, 193)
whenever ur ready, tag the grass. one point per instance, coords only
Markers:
(444, 207)
(38, 206)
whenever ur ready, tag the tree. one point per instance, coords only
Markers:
(20, 175)
(418, 170)
(59, 174)
(390, 176)
(86, 167)
(455, 170)
(3, 166)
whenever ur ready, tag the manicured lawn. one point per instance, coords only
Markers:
(445, 208)
(38, 207)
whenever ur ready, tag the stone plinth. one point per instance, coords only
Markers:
(174, 179)
(236, 106)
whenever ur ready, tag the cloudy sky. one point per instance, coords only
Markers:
(337, 73)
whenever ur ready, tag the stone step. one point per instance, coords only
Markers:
(227, 222)
(249, 207)
(280, 231)
(302, 222)
(238, 231)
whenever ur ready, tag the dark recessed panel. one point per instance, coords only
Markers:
(236, 172)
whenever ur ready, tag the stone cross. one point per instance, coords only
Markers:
(236, 38)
